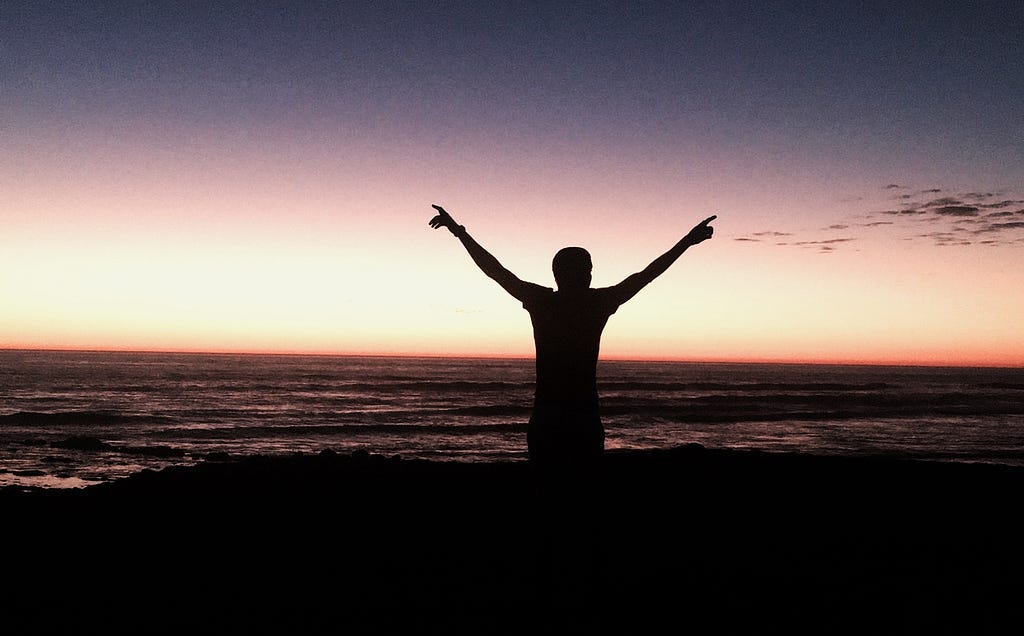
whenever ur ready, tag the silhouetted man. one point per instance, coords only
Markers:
(565, 428)
(565, 435)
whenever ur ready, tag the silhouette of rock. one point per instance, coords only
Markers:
(704, 540)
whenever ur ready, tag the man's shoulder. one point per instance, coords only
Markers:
(534, 293)
(607, 297)
(604, 298)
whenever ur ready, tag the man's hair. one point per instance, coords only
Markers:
(571, 259)
(572, 263)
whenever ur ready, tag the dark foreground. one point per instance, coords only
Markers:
(681, 541)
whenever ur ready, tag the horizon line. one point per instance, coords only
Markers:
(508, 356)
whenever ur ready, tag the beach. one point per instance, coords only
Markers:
(678, 540)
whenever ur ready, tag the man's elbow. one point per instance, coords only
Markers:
(640, 280)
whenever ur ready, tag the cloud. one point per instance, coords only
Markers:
(957, 210)
(941, 202)
(903, 211)
(824, 242)
(945, 239)
(999, 227)
(974, 217)
(758, 237)
(823, 246)
(963, 216)
(1002, 204)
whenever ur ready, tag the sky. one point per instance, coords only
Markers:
(256, 176)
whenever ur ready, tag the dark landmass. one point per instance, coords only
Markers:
(683, 540)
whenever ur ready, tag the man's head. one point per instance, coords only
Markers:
(572, 267)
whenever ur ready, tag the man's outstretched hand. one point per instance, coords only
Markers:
(702, 231)
(443, 219)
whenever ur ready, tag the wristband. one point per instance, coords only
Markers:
(460, 231)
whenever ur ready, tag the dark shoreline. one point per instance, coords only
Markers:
(704, 541)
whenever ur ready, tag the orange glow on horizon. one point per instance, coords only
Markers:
(977, 359)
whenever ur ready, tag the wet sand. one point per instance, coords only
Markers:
(682, 540)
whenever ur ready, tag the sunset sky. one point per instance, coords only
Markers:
(219, 177)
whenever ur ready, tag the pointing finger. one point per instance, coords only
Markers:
(709, 219)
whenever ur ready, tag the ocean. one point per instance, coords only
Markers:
(71, 419)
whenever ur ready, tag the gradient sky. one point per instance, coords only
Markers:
(258, 176)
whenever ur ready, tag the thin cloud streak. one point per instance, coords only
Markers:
(961, 219)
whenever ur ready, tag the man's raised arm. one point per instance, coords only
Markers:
(635, 282)
(484, 260)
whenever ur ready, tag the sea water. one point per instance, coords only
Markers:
(69, 419)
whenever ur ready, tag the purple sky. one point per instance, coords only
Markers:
(290, 151)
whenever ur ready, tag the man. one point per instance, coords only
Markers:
(565, 428)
